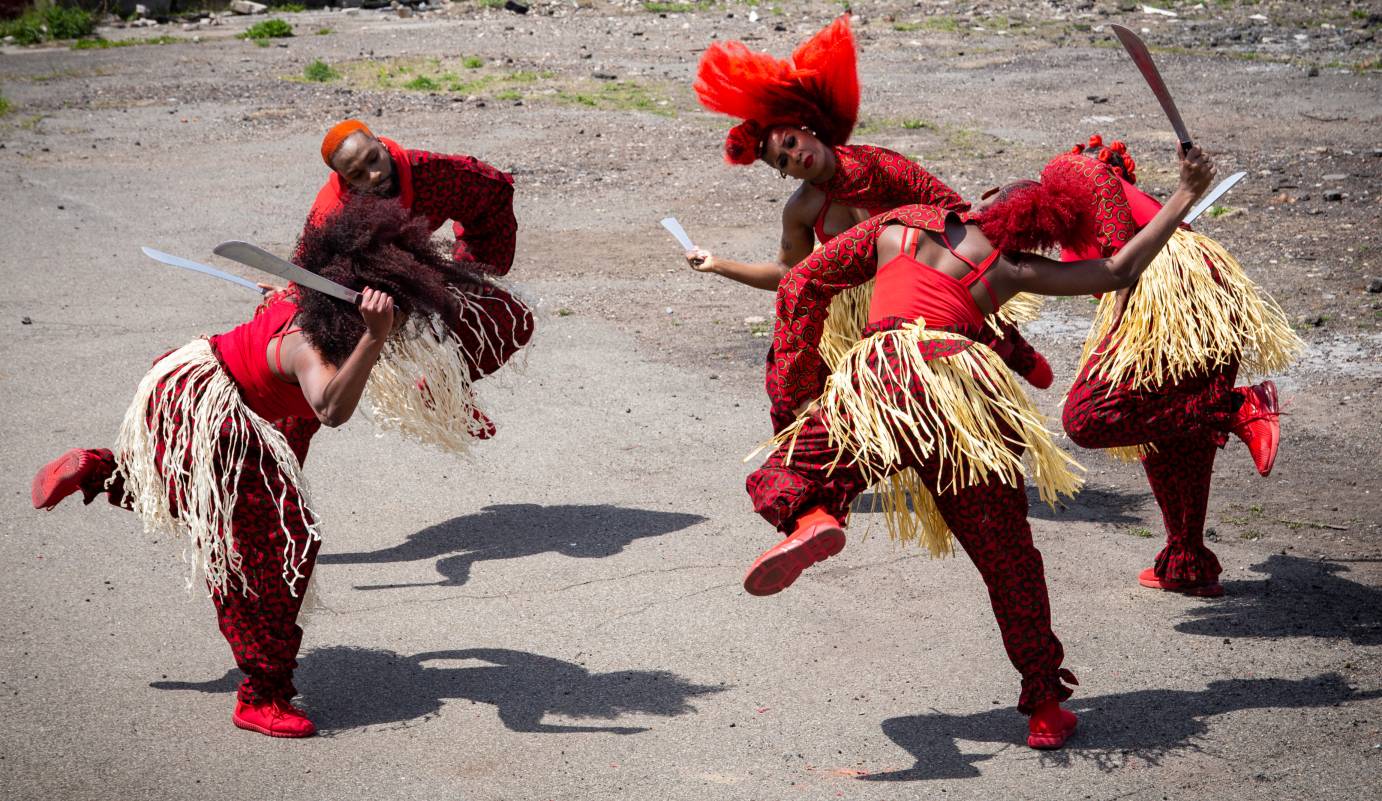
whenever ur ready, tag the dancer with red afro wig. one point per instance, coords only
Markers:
(919, 394)
(1157, 378)
(797, 117)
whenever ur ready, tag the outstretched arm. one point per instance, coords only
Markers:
(1032, 273)
(334, 392)
(796, 244)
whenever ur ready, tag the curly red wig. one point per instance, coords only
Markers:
(1032, 216)
(371, 242)
(817, 88)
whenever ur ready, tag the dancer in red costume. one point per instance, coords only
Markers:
(211, 448)
(1157, 378)
(798, 116)
(477, 198)
(919, 393)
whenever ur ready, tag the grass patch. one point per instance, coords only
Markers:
(320, 72)
(4, 106)
(97, 43)
(509, 94)
(1141, 532)
(473, 62)
(490, 3)
(268, 29)
(324, 31)
(940, 24)
(422, 84)
(287, 8)
(617, 96)
(54, 22)
(674, 8)
(918, 125)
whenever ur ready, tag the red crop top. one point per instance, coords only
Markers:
(907, 288)
(243, 352)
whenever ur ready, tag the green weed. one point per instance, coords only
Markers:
(320, 72)
(268, 29)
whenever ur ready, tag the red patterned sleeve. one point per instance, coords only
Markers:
(879, 180)
(796, 372)
(477, 198)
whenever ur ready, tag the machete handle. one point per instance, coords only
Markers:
(1185, 145)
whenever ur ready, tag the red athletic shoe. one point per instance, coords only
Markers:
(61, 477)
(818, 537)
(276, 719)
(1050, 726)
(1211, 589)
(1258, 423)
(1040, 376)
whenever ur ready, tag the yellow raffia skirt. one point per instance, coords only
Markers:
(973, 418)
(201, 470)
(1184, 319)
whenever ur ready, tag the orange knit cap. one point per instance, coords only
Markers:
(338, 134)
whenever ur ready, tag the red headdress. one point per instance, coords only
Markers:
(817, 88)
(1115, 155)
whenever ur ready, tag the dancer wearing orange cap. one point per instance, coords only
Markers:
(475, 197)
(798, 116)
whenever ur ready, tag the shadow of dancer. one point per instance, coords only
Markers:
(1298, 598)
(511, 531)
(1144, 724)
(1093, 504)
(347, 688)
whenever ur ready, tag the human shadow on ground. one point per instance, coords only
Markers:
(1148, 725)
(345, 688)
(511, 531)
(1297, 598)
(1094, 504)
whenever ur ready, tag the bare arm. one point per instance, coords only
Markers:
(1032, 273)
(334, 392)
(797, 243)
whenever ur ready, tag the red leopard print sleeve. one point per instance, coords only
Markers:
(879, 180)
(477, 198)
(796, 372)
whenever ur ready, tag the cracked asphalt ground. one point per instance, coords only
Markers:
(561, 617)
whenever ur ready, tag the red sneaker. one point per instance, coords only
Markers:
(1211, 589)
(1040, 376)
(276, 719)
(1050, 726)
(61, 477)
(818, 537)
(1258, 423)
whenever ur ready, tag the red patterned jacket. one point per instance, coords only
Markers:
(877, 180)
(796, 371)
(476, 197)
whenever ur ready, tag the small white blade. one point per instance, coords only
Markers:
(674, 228)
(1213, 195)
(188, 264)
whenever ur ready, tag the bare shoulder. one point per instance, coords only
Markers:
(803, 206)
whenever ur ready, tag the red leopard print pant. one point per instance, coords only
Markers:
(1187, 422)
(259, 623)
(989, 520)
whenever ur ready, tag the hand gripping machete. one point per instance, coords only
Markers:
(188, 264)
(261, 259)
(1143, 59)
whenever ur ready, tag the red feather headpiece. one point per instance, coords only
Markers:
(817, 88)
